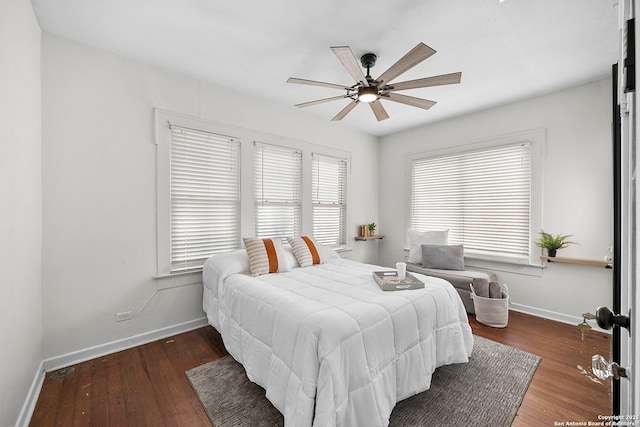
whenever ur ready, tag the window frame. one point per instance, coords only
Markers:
(163, 121)
(296, 204)
(536, 139)
(343, 204)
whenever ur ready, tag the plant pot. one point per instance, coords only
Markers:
(552, 252)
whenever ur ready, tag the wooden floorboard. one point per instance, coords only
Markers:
(147, 386)
(559, 391)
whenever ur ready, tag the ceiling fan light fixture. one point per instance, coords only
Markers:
(367, 94)
(374, 92)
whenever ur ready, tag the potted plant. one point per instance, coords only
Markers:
(372, 228)
(552, 243)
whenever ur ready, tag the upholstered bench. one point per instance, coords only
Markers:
(460, 279)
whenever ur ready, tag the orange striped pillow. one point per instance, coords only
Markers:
(265, 256)
(305, 249)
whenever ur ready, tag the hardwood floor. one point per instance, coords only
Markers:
(146, 385)
(142, 386)
(559, 391)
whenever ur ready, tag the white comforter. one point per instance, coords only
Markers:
(329, 347)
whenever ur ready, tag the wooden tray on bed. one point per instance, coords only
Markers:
(388, 281)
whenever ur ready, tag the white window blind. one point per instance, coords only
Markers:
(329, 198)
(205, 196)
(278, 191)
(483, 197)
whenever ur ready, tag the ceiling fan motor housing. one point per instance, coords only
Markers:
(368, 60)
(368, 94)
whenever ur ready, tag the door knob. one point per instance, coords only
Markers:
(607, 319)
(603, 369)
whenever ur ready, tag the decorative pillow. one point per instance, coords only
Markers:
(306, 250)
(265, 256)
(443, 257)
(419, 238)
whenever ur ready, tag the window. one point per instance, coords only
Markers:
(483, 197)
(278, 191)
(201, 167)
(204, 196)
(329, 199)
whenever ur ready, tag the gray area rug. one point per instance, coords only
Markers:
(487, 391)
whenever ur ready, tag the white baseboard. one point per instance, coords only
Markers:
(32, 398)
(72, 358)
(552, 315)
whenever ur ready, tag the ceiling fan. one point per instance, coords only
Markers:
(371, 91)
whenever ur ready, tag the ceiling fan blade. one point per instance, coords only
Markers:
(320, 101)
(315, 83)
(444, 79)
(345, 110)
(410, 100)
(378, 110)
(350, 62)
(411, 59)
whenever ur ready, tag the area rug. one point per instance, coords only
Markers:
(487, 391)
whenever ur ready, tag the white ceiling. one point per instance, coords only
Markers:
(505, 50)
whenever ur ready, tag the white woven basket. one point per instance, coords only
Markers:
(492, 312)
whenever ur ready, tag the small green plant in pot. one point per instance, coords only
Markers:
(372, 229)
(552, 243)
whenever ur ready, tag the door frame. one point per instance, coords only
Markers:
(628, 261)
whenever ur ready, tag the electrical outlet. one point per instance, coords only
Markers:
(125, 315)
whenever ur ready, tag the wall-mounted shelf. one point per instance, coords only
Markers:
(582, 261)
(377, 236)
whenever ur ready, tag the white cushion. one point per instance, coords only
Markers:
(290, 258)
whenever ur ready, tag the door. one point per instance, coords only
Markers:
(625, 351)
(626, 298)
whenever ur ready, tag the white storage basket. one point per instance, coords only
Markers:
(492, 311)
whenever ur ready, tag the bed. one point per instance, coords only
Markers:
(326, 343)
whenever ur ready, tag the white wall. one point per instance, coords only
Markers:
(20, 207)
(577, 189)
(99, 203)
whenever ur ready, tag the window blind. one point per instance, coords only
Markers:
(329, 199)
(482, 197)
(278, 191)
(205, 196)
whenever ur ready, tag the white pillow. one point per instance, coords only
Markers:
(326, 252)
(419, 238)
(306, 250)
(220, 266)
(266, 256)
(290, 258)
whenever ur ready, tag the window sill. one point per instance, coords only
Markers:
(343, 249)
(507, 267)
(173, 280)
(177, 274)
